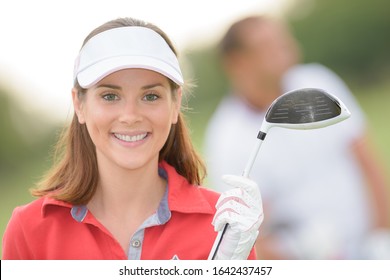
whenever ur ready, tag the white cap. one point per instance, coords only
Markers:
(122, 48)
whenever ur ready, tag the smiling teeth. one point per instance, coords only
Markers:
(129, 138)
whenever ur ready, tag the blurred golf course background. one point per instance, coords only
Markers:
(352, 37)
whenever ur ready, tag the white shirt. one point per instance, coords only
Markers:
(313, 191)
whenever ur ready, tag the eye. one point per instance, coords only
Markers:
(151, 97)
(110, 97)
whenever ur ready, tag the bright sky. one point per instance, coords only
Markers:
(40, 39)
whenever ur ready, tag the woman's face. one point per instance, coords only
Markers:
(129, 115)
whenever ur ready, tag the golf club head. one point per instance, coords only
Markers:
(307, 108)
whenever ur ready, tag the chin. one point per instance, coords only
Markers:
(136, 162)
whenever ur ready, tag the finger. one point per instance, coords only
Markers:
(223, 217)
(244, 183)
(233, 197)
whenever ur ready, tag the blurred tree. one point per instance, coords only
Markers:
(208, 77)
(210, 85)
(22, 154)
(11, 145)
(349, 36)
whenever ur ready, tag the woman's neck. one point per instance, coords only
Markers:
(124, 198)
(128, 193)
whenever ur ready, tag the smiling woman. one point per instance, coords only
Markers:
(125, 184)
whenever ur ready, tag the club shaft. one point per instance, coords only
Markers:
(252, 158)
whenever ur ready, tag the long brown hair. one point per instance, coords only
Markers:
(74, 175)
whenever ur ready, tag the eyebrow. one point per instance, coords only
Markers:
(119, 87)
(109, 86)
(152, 86)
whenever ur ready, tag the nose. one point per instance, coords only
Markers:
(130, 113)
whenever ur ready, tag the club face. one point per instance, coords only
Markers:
(306, 108)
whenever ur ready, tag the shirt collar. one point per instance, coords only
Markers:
(180, 196)
(184, 197)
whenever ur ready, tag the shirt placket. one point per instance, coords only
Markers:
(135, 249)
(161, 216)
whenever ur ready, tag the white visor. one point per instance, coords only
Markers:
(122, 48)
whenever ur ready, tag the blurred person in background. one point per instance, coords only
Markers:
(324, 191)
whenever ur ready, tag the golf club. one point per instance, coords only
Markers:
(307, 108)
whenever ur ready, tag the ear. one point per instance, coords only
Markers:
(78, 106)
(177, 105)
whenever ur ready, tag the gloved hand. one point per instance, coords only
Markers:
(241, 208)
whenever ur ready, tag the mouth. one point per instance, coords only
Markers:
(131, 138)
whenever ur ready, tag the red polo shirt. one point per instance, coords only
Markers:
(51, 229)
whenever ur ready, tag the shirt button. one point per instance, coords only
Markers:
(136, 243)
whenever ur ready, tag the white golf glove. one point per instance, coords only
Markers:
(241, 208)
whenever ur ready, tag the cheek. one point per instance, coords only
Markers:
(164, 117)
(97, 119)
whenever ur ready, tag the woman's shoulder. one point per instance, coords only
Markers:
(31, 208)
(34, 211)
(210, 194)
(186, 197)
(22, 221)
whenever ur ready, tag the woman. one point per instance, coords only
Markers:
(126, 182)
